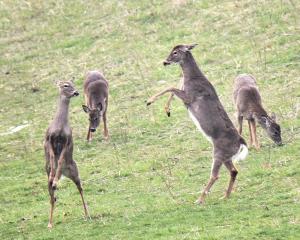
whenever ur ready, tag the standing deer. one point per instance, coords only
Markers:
(58, 147)
(96, 100)
(248, 104)
(208, 114)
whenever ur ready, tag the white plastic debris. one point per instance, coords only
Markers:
(12, 130)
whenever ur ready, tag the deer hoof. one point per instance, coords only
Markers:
(168, 113)
(50, 225)
(225, 197)
(54, 185)
(149, 101)
(106, 137)
(199, 201)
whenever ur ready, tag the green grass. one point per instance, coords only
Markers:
(143, 182)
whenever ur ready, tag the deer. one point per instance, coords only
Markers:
(58, 146)
(208, 114)
(96, 100)
(248, 104)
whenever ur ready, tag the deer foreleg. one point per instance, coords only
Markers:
(59, 167)
(240, 123)
(88, 137)
(254, 136)
(250, 133)
(106, 135)
(167, 106)
(179, 93)
(52, 165)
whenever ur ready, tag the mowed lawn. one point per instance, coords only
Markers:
(142, 184)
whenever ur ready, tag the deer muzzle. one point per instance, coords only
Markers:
(166, 62)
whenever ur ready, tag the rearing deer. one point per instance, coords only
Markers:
(248, 103)
(96, 100)
(208, 114)
(58, 147)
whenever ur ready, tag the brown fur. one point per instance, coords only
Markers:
(249, 106)
(58, 146)
(96, 99)
(206, 110)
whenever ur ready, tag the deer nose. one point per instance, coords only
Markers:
(93, 129)
(76, 93)
(166, 63)
(279, 143)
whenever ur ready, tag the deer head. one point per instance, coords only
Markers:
(67, 89)
(178, 54)
(272, 128)
(94, 115)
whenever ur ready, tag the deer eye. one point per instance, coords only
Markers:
(175, 53)
(66, 85)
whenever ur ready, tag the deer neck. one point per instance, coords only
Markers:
(62, 114)
(260, 115)
(190, 69)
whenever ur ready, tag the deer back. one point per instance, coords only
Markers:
(96, 89)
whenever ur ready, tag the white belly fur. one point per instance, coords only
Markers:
(241, 153)
(196, 122)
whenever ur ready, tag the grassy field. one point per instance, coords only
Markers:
(143, 182)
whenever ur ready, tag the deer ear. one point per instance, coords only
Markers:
(99, 107)
(273, 116)
(266, 121)
(189, 47)
(57, 83)
(86, 108)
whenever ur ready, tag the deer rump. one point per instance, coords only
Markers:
(241, 150)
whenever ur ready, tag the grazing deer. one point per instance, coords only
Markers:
(58, 147)
(208, 114)
(96, 100)
(248, 103)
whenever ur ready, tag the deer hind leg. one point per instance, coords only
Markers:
(105, 133)
(51, 192)
(72, 173)
(52, 204)
(233, 173)
(216, 165)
